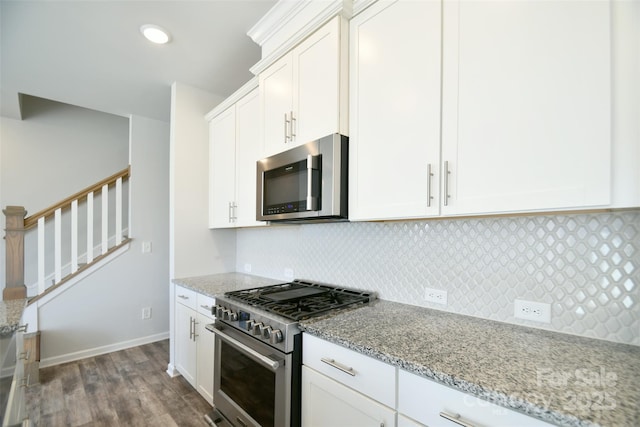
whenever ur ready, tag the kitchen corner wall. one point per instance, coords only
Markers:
(587, 266)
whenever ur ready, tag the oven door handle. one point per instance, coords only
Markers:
(264, 360)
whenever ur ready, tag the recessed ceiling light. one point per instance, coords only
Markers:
(155, 34)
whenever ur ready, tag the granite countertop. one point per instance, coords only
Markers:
(217, 284)
(10, 313)
(559, 378)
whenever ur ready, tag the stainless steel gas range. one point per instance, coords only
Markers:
(258, 350)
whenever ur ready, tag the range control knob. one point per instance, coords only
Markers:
(257, 328)
(218, 311)
(225, 313)
(249, 324)
(266, 332)
(275, 336)
(233, 316)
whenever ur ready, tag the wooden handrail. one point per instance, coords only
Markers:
(32, 220)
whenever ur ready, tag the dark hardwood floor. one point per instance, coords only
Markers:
(124, 388)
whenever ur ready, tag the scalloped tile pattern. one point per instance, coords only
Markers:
(587, 266)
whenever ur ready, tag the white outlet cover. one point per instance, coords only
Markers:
(532, 310)
(437, 296)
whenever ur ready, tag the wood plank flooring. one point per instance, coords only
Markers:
(125, 388)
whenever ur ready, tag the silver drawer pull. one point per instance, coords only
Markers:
(333, 363)
(183, 297)
(206, 307)
(456, 419)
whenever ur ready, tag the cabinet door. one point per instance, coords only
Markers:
(327, 403)
(247, 154)
(185, 344)
(526, 105)
(205, 343)
(395, 110)
(408, 422)
(222, 142)
(316, 84)
(429, 402)
(276, 98)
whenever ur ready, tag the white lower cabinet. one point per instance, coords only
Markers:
(404, 421)
(341, 387)
(328, 403)
(205, 346)
(436, 405)
(184, 330)
(193, 343)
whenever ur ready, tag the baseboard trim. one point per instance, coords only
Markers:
(97, 351)
(172, 371)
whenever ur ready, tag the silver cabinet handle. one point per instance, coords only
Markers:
(456, 419)
(190, 328)
(429, 175)
(312, 163)
(206, 307)
(338, 366)
(292, 134)
(446, 173)
(183, 297)
(286, 132)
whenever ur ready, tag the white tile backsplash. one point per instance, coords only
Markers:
(587, 266)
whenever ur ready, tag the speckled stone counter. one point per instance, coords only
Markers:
(10, 313)
(561, 379)
(217, 284)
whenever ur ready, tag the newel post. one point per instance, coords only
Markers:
(14, 286)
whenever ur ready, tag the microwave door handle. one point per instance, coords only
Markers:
(312, 163)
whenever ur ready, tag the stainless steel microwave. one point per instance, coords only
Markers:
(306, 183)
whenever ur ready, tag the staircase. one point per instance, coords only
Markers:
(60, 245)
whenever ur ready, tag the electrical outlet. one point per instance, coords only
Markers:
(288, 273)
(146, 313)
(247, 268)
(531, 310)
(146, 247)
(437, 296)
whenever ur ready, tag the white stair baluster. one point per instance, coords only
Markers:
(40, 255)
(89, 227)
(118, 211)
(105, 218)
(74, 236)
(58, 245)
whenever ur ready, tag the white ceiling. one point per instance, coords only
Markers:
(91, 54)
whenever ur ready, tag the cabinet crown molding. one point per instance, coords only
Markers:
(289, 22)
(233, 98)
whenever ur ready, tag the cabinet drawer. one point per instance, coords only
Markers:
(424, 400)
(186, 297)
(205, 304)
(363, 373)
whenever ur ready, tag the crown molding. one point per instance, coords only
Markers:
(233, 98)
(284, 14)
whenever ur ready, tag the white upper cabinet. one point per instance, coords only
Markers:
(526, 105)
(395, 110)
(303, 95)
(514, 98)
(222, 169)
(234, 148)
(247, 154)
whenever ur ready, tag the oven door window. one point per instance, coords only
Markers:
(249, 384)
(286, 188)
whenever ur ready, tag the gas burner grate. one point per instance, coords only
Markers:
(300, 300)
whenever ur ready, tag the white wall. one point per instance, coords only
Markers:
(57, 150)
(196, 249)
(104, 312)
